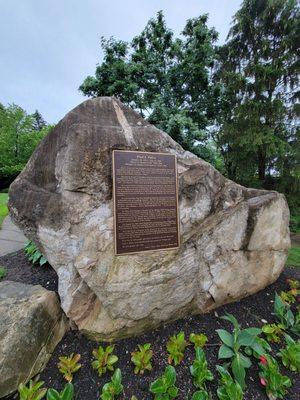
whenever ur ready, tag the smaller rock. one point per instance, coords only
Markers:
(31, 325)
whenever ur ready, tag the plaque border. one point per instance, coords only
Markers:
(114, 203)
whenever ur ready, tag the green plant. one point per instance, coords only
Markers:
(66, 394)
(200, 395)
(113, 388)
(176, 347)
(228, 388)
(232, 345)
(273, 332)
(293, 283)
(286, 317)
(164, 387)
(33, 254)
(141, 358)
(262, 343)
(2, 272)
(199, 370)
(69, 365)
(198, 340)
(104, 359)
(289, 296)
(290, 355)
(33, 391)
(276, 385)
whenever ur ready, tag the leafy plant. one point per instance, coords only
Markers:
(2, 272)
(200, 395)
(198, 340)
(33, 254)
(33, 391)
(113, 388)
(290, 355)
(262, 343)
(66, 394)
(228, 388)
(69, 365)
(276, 385)
(273, 332)
(141, 358)
(164, 387)
(289, 296)
(286, 317)
(293, 283)
(199, 370)
(232, 344)
(176, 347)
(104, 359)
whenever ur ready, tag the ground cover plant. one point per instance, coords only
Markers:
(255, 311)
(33, 254)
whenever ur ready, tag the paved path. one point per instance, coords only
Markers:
(11, 238)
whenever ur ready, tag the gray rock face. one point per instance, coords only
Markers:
(31, 325)
(234, 241)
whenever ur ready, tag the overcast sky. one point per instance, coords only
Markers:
(48, 47)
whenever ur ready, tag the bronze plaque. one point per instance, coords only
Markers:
(145, 201)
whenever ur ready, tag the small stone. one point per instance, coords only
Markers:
(264, 321)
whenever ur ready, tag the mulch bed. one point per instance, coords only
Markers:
(249, 312)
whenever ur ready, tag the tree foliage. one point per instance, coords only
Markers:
(166, 79)
(18, 139)
(259, 71)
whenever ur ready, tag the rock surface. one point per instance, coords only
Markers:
(31, 325)
(234, 240)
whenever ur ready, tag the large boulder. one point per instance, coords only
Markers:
(234, 240)
(31, 325)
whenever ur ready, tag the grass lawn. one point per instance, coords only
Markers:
(294, 257)
(3, 207)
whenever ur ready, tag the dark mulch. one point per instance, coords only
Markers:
(19, 269)
(250, 312)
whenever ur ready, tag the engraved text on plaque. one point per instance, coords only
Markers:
(145, 201)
